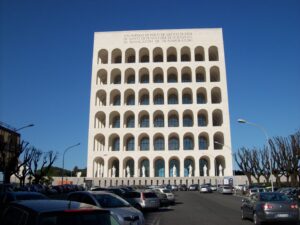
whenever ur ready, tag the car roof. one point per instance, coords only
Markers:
(49, 205)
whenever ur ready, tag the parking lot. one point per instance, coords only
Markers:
(194, 208)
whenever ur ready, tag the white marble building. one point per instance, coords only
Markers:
(159, 105)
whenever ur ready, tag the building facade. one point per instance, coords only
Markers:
(159, 105)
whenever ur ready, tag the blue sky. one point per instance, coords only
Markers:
(46, 58)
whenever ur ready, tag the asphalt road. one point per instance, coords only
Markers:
(193, 208)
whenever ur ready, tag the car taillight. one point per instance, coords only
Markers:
(142, 196)
(294, 206)
(267, 206)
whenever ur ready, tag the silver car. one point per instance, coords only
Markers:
(121, 209)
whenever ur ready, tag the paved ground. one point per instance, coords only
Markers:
(193, 208)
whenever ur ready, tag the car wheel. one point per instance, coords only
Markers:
(256, 220)
(243, 214)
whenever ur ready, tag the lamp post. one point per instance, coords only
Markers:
(29, 125)
(63, 165)
(267, 138)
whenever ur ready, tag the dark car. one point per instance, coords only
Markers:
(270, 207)
(194, 187)
(55, 212)
(9, 197)
(182, 187)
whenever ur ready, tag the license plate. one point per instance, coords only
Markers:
(283, 215)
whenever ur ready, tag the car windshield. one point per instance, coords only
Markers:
(77, 217)
(150, 195)
(273, 197)
(166, 191)
(109, 201)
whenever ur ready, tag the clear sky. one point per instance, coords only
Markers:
(46, 60)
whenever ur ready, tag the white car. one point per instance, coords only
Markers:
(205, 189)
(168, 193)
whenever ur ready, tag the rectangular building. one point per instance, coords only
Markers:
(159, 105)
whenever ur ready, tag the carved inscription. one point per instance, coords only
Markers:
(156, 38)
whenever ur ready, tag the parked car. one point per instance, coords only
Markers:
(9, 197)
(225, 189)
(194, 187)
(120, 208)
(55, 212)
(270, 207)
(163, 199)
(213, 187)
(205, 189)
(182, 187)
(143, 199)
(170, 195)
(255, 190)
(174, 187)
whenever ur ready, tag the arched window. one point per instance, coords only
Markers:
(171, 54)
(186, 78)
(173, 121)
(144, 144)
(214, 74)
(117, 100)
(213, 53)
(173, 143)
(159, 144)
(145, 79)
(202, 120)
(158, 78)
(188, 143)
(187, 121)
(116, 56)
(144, 121)
(103, 56)
(101, 77)
(201, 98)
(130, 144)
(187, 99)
(158, 99)
(159, 121)
(159, 168)
(131, 79)
(144, 55)
(172, 78)
(117, 80)
(199, 54)
(158, 55)
(185, 54)
(200, 74)
(216, 95)
(172, 99)
(130, 55)
(144, 99)
(116, 144)
(130, 100)
(217, 118)
(203, 143)
(130, 122)
(116, 122)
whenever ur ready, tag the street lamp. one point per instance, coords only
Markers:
(29, 125)
(267, 138)
(63, 165)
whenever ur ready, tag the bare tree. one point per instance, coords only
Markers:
(41, 164)
(23, 169)
(243, 160)
(9, 154)
(265, 162)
